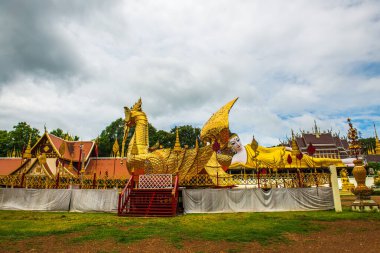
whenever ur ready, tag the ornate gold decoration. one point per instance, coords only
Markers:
(27, 154)
(377, 147)
(363, 200)
(217, 127)
(347, 187)
(295, 148)
(352, 135)
(115, 148)
(189, 162)
(62, 148)
(177, 144)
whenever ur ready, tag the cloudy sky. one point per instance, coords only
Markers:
(75, 64)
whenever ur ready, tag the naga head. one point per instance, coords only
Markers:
(130, 113)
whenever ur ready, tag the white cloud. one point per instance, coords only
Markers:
(289, 62)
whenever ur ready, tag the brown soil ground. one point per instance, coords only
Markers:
(337, 236)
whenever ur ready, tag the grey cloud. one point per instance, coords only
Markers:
(33, 40)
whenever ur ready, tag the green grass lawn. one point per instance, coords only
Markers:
(235, 227)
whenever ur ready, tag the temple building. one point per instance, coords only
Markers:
(52, 155)
(326, 144)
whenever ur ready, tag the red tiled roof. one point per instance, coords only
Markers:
(9, 165)
(102, 165)
(300, 142)
(324, 138)
(72, 148)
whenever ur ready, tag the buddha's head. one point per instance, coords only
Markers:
(235, 144)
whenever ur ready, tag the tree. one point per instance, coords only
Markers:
(368, 144)
(4, 145)
(107, 138)
(166, 139)
(60, 133)
(153, 137)
(187, 135)
(18, 138)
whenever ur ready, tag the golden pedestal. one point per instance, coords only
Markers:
(363, 202)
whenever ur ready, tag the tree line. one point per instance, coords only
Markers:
(14, 142)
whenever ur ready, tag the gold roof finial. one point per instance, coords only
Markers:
(27, 154)
(377, 146)
(295, 148)
(71, 166)
(196, 143)
(115, 148)
(177, 145)
(316, 130)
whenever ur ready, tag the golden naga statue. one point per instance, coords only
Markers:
(184, 161)
(215, 132)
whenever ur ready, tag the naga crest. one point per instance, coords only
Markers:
(137, 106)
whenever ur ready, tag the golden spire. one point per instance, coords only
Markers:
(177, 145)
(13, 152)
(115, 148)
(316, 131)
(71, 167)
(377, 147)
(196, 143)
(27, 154)
(295, 149)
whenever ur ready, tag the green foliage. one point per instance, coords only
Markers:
(166, 139)
(18, 138)
(4, 145)
(368, 144)
(375, 166)
(107, 138)
(61, 134)
(187, 135)
(153, 138)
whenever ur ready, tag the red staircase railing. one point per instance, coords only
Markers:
(147, 201)
(175, 195)
(124, 196)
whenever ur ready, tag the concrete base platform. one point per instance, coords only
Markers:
(365, 206)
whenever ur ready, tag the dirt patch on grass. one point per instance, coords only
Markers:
(337, 236)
